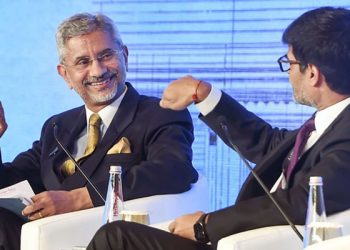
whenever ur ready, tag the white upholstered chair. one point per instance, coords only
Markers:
(340, 243)
(276, 237)
(77, 228)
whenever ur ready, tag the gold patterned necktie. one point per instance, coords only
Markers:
(68, 167)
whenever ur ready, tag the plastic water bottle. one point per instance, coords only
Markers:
(114, 200)
(316, 213)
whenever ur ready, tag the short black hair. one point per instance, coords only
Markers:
(322, 37)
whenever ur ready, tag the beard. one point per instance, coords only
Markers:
(104, 97)
(110, 92)
(302, 98)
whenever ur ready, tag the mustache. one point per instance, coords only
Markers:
(104, 77)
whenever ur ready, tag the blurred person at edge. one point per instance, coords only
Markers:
(3, 124)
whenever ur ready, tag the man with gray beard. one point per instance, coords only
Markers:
(153, 145)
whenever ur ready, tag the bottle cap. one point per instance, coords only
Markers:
(115, 169)
(316, 180)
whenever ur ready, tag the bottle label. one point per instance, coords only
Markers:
(114, 201)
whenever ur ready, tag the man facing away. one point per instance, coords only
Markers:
(318, 62)
(116, 126)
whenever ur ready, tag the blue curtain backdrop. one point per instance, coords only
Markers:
(233, 44)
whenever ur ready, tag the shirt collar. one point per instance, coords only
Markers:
(108, 112)
(326, 116)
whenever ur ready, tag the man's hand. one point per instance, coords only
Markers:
(178, 94)
(183, 226)
(57, 202)
(3, 124)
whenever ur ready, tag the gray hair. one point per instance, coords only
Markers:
(83, 24)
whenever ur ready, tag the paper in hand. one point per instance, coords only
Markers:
(16, 197)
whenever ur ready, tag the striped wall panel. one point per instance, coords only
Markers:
(232, 44)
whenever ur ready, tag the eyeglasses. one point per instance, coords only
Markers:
(106, 57)
(285, 63)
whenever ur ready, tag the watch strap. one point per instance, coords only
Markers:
(200, 232)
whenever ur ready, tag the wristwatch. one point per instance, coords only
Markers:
(200, 232)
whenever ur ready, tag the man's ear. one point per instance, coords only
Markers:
(126, 56)
(314, 74)
(63, 72)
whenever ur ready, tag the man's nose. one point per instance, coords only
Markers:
(97, 68)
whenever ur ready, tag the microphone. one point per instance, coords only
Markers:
(55, 127)
(222, 121)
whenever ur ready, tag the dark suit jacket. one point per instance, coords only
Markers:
(267, 147)
(160, 161)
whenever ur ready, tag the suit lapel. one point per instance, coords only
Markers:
(67, 132)
(331, 128)
(120, 122)
(276, 154)
(124, 116)
(268, 169)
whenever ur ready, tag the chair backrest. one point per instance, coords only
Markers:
(169, 206)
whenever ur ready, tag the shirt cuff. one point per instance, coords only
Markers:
(209, 103)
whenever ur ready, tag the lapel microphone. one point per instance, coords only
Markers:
(222, 121)
(55, 128)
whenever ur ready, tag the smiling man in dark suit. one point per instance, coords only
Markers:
(153, 145)
(318, 64)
